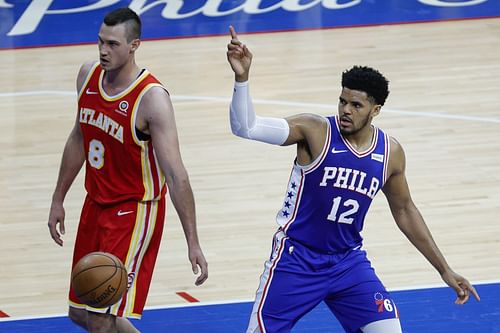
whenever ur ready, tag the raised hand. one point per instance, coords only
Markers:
(239, 57)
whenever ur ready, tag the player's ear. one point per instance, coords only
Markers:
(135, 44)
(376, 110)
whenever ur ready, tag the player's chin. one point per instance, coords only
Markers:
(347, 130)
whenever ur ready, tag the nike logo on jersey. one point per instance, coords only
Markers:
(338, 151)
(88, 92)
(121, 213)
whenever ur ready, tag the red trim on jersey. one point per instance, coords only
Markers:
(299, 193)
(324, 152)
(266, 287)
(351, 148)
(386, 157)
(306, 170)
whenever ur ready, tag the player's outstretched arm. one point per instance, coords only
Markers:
(411, 223)
(159, 114)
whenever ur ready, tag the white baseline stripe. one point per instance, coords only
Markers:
(38, 93)
(272, 102)
(175, 306)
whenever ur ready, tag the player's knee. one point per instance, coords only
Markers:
(101, 323)
(383, 326)
(78, 316)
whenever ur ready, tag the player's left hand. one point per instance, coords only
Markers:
(462, 286)
(56, 217)
(198, 261)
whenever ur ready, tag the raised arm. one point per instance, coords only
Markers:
(158, 114)
(306, 130)
(411, 223)
(71, 163)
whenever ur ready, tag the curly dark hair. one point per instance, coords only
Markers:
(128, 16)
(369, 80)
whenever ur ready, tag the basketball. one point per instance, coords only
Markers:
(99, 279)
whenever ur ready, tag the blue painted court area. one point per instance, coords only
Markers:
(428, 310)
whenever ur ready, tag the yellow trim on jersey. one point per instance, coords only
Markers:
(129, 261)
(87, 307)
(160, 175)
(87, 79)
(77, 305)
(134, 315)
(135, 108)
(145, 235)
(147, 175)
(132, 86)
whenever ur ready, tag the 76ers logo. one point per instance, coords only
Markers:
(384, 304)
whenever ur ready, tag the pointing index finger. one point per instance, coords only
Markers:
(233, 32)
(474, 292)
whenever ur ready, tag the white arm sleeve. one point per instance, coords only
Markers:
(246, 124)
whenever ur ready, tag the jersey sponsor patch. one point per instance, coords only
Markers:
(378, 157)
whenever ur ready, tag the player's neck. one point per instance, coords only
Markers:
(362, 139)
(119, 79)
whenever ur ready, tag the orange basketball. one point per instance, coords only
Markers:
(99, 279)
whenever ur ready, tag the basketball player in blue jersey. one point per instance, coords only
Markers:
(342, 162)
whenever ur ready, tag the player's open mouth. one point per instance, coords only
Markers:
(345, 121)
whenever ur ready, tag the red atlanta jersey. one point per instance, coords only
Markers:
(120, 164)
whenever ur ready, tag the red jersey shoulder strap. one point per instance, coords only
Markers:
(93, 73)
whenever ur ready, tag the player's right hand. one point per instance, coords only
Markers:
(56, 217)
(462, 286)
(239, 57)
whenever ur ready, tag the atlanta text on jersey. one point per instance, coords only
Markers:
(102, 121)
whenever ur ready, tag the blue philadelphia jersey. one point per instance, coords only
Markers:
(326, 202)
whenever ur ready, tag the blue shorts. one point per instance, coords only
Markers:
(296, 279)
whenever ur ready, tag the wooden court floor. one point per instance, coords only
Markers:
(443, 108)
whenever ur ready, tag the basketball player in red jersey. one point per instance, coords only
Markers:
(125, 133)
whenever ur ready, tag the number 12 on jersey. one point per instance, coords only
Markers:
(342, 211)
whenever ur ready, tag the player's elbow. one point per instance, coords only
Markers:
(240, 131)
(237, 128)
